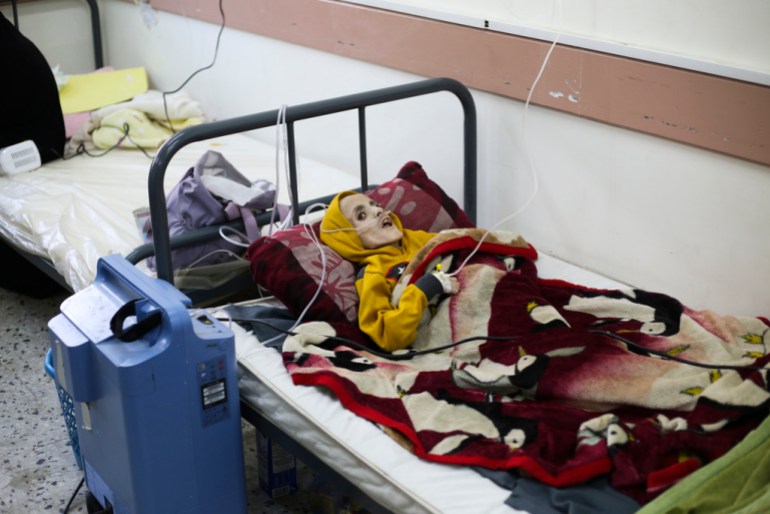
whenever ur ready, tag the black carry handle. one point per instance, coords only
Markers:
(136, 330)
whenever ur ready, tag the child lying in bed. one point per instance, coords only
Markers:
(361, 231)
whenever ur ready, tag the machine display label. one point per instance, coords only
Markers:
(212, 381)
(213, 393)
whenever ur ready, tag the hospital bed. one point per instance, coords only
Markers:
(364, 460)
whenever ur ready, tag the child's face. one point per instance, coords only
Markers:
(375, 228)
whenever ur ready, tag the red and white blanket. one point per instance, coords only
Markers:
(549, 382)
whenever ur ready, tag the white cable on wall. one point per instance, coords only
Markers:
(525, 146)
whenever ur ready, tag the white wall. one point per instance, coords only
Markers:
(649, 212)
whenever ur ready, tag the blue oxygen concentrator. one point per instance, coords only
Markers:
(155, 393)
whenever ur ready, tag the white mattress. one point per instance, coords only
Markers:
(356, 448)
(74, 211)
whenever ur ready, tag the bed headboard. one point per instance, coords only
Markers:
(163, 244)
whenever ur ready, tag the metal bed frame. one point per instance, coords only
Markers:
(96, 28)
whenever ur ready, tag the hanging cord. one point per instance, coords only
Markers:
(241, 240)
(525, 131)
(72, 498)
(282, 150)
(525, 146)
(311, 233)
(199, 70)
(280, 123)
(81, 149)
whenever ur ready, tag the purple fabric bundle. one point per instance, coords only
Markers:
(193, 203)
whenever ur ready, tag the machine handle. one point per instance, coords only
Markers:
(137, 330)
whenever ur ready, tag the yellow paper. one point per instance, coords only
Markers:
(91, 91)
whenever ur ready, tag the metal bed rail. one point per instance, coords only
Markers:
(96, 29)
(162, 243)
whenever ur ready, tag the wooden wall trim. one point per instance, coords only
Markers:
(716, 113)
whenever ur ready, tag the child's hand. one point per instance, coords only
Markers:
(455, 285)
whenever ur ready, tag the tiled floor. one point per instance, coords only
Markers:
(39, 472)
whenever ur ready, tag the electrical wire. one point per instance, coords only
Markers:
(324, 261)
(525, 134)
(82, 150)
(242, 241)
(197, 261)
(196, 72)
(72, 498)
(666, 356)
(310, 232)
(281, 149)
(413, 353)
(355, 344)
(525, 146)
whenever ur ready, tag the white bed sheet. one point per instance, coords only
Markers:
(74, 211)
(356, 448)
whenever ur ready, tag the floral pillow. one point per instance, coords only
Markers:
(289, 265)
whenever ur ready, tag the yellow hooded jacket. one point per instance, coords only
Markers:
(391, 327)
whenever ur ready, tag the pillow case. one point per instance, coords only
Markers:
(289, 265)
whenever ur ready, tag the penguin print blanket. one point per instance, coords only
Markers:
(553, 380)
